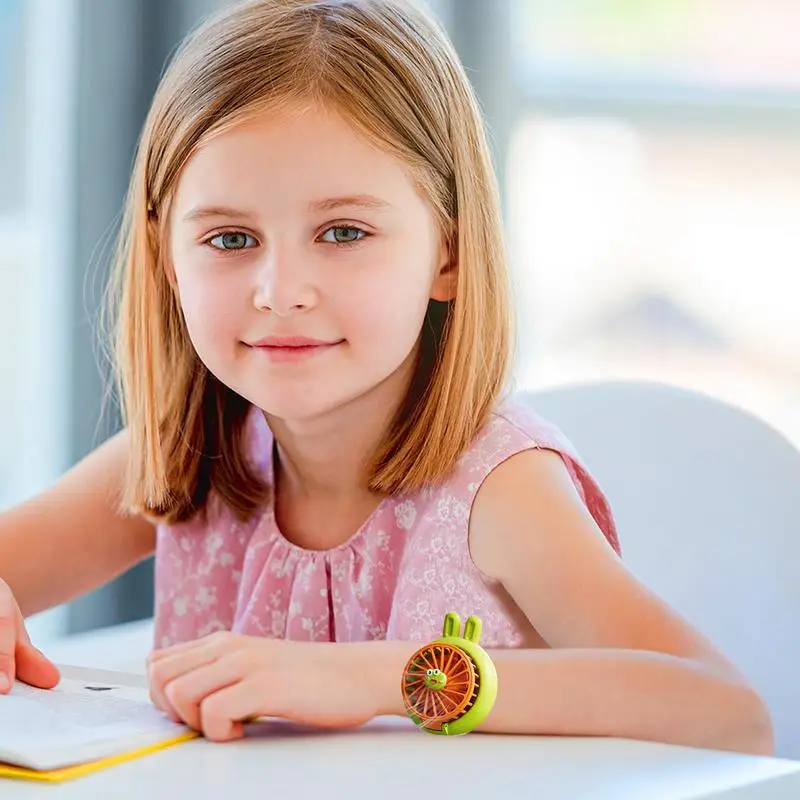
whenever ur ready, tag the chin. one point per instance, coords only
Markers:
(292, 398)
(295, 406)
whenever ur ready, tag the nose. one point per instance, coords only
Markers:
(282, 285)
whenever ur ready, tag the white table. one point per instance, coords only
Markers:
(389, 759)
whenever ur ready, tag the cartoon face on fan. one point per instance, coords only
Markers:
(435, 679)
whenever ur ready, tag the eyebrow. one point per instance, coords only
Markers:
(326, 204)
(358, 200)
(202, 212)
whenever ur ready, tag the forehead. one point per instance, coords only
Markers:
(293, 156)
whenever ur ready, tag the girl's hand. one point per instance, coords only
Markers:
(217, 683)
(19, 659)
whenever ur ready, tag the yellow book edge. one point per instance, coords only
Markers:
(85, 768)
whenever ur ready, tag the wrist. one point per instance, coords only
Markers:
(380, 665)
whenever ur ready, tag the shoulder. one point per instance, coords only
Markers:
(515, 426)
(522, 506)
(519, 455)
(538, 497)
(512, 427)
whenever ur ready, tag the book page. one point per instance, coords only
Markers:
(78, 721)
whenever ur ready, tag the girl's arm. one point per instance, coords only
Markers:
(620, 662)
(71, 538)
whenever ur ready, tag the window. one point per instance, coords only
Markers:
(37, 102)
(696, 45)
(654, 191)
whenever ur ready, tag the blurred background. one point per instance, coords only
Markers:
(649, 155)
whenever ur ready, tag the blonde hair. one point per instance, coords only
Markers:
(390, 70)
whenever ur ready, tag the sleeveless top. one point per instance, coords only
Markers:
(394, 578)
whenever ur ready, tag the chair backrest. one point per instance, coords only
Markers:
(707, 500)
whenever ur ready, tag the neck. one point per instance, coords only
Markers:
(326, 456)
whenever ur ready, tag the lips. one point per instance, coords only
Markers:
(293, 341)
(291, 349)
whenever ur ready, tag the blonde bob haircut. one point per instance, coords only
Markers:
(389, 69)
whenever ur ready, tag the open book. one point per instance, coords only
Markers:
(90, 721)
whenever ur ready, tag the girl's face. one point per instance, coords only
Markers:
(304, 259)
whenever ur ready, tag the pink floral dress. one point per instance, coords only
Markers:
(395, 578)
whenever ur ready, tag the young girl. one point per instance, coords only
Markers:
(320, 447)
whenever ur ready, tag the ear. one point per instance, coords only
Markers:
(445, 280)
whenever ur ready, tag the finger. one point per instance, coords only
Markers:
(187, 692)
(12, 631)
(210, 641)
(223, 712)
(35, 669)
(32, 666)
(194, 652)
(8, 642)
(167, 652)
(166, 670)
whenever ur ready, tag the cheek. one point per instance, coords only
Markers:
(211, 308)
(386, 314)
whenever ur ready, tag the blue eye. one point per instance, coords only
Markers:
(343, 234)
(232, 240)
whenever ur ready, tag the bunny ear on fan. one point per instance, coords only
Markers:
(452, 625)
(473, 629)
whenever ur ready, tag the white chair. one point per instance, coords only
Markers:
(707, 500)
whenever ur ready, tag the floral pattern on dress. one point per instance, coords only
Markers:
(395, 578)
